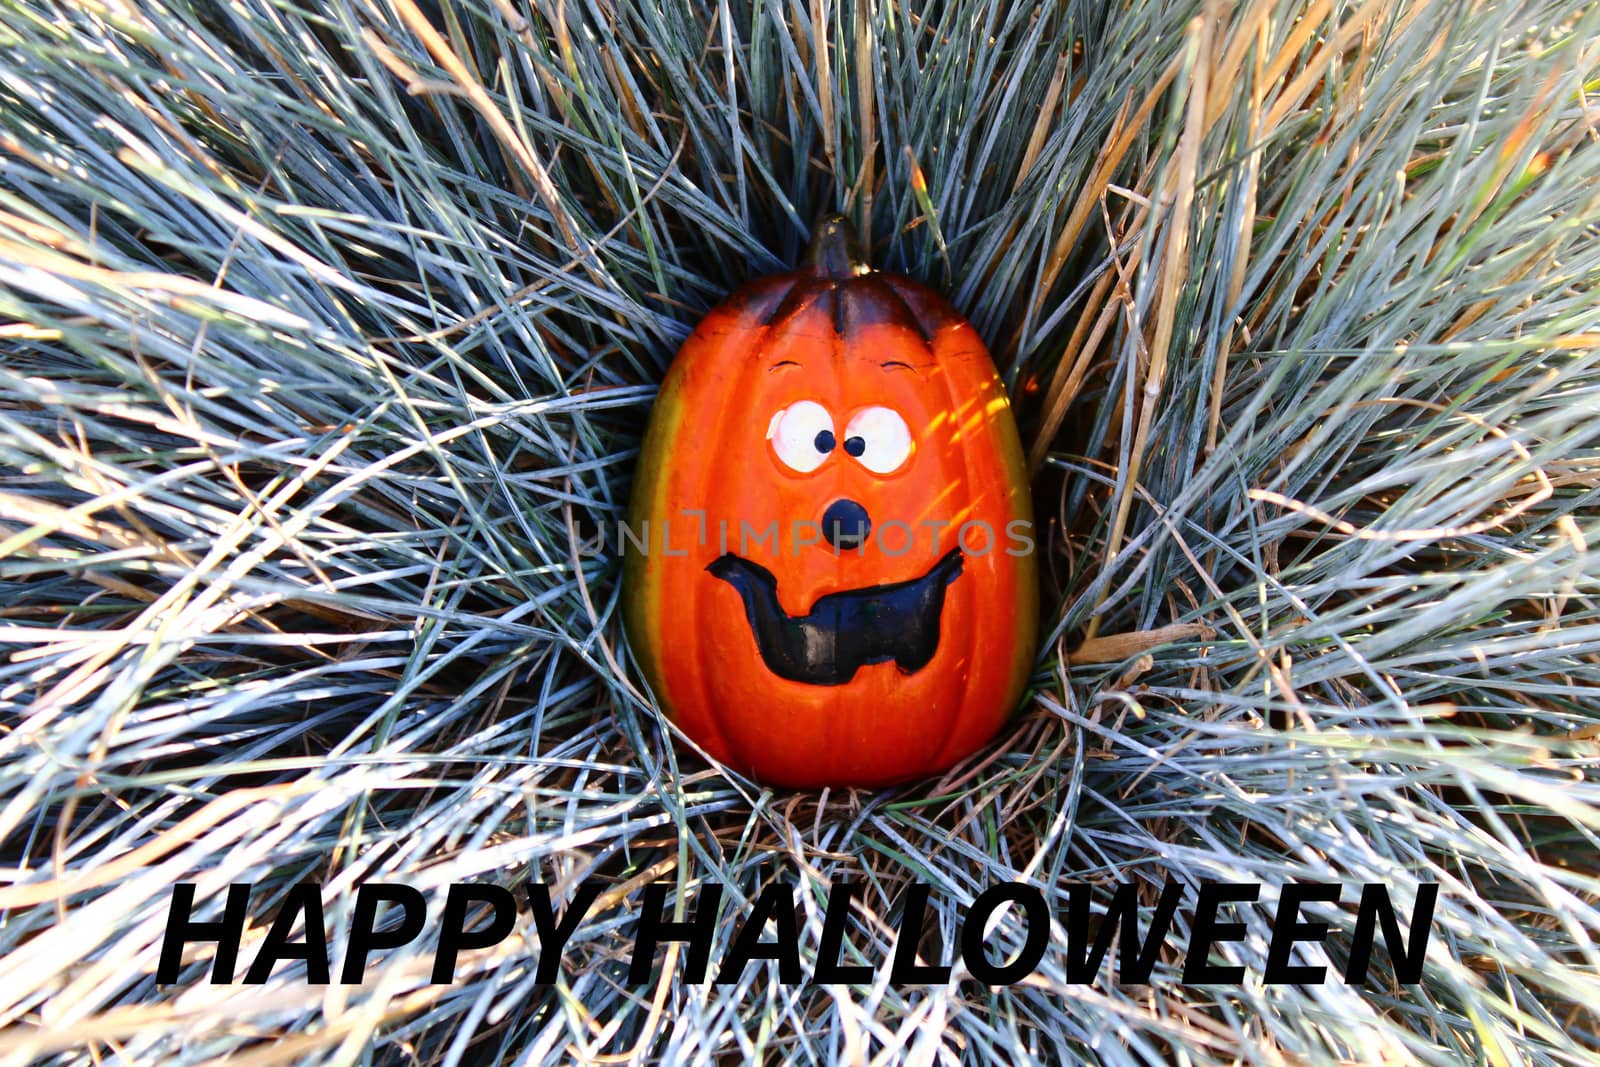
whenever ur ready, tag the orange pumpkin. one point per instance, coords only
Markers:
(829, 577)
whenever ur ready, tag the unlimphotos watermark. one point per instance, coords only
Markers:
(891, 537)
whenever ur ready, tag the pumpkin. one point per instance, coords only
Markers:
(828, 574)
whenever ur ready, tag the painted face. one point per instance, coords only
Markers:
(835, 584)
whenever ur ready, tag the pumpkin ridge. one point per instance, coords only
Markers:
(966, 625)
(757, 300)
(870, 300)
(805, 292)
(911, 314)
(758, 348)
(925, 306)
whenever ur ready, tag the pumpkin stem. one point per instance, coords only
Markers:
(835, 252)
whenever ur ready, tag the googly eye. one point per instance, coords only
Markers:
(802, 435)
(879, 439)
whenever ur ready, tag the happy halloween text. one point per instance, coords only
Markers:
(479, 916)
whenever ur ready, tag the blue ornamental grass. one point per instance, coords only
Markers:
(328, 331)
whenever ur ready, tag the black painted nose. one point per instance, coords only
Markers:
(845, 524)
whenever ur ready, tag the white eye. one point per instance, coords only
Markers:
(879, 439)
(802, 435)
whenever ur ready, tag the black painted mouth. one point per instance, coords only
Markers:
(845, 630)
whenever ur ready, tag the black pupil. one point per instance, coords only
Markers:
(824, 442)
(854, 445)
